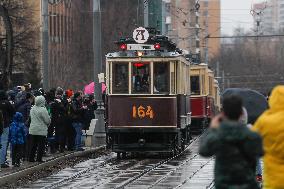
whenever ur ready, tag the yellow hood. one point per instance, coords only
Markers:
(270, 125)
(276, 100)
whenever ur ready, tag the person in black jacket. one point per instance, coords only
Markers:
(89, 114)
(25, 107)
(8, 112)
(58, 117)
(70, 131)
(235, 147)
(78, 119)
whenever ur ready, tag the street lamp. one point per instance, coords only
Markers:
(99, 133)
(44, 11)
(45, 39)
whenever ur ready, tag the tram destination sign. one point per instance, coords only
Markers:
(140, 47)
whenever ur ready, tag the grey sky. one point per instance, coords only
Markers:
(236, 13)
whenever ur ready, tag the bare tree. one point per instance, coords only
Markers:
(18, 45)
(7, 51)
(255, 63)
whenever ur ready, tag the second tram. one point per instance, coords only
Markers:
(205, 96)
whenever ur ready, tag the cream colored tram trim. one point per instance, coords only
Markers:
(110, 77)
(107, 78)
(129, 77)
(152, 77)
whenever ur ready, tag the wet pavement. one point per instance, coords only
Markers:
(188, 170)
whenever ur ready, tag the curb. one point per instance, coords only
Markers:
(12, 177)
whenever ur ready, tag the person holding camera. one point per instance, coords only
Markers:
(234, 146)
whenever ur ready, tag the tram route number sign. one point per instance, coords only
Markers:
(140, 47)
(141, 35)
(141, 112)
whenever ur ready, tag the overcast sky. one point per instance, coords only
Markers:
(236, 13)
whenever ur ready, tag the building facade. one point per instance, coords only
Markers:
(270, 15)
(179, 20)
(210, 23)
(70, 47)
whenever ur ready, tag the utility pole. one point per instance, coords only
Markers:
(45, 65)
(197, 45)
(206, 40)
(218, 69)
(223, 80)
(99, 133)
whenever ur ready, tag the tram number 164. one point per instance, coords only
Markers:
(142, 112)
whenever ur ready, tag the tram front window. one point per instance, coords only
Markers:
(161, 78)
(195, 85)
(141, 78)
(120, 78)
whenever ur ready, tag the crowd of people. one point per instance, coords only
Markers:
(238, 147)
(35, 122)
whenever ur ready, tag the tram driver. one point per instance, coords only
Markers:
(141, 79)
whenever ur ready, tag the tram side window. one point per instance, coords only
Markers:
(141, 78)
(120, 78)
(195, 85)
(161, 78)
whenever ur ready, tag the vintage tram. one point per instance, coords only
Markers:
(148, 97)
(205, 96)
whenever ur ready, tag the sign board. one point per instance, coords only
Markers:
(141, 35)
(140, 47)
(101, 77)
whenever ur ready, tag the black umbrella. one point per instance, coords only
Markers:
(254, 102)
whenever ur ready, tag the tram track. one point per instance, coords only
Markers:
(108, 170)
(193, 174)
(133, 165)
(155, 167)
(84, 171)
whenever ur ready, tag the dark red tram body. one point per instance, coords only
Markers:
(203, 109)
(129, 133)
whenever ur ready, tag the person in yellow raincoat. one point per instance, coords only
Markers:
(270, 125)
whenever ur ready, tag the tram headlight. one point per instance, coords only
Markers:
(140, 53)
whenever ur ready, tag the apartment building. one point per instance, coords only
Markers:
(178, 20)
(270, 15)
(70, 53)
(210, 23)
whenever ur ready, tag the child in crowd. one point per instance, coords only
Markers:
(17, 138)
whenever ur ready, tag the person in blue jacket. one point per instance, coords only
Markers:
(17, 138)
